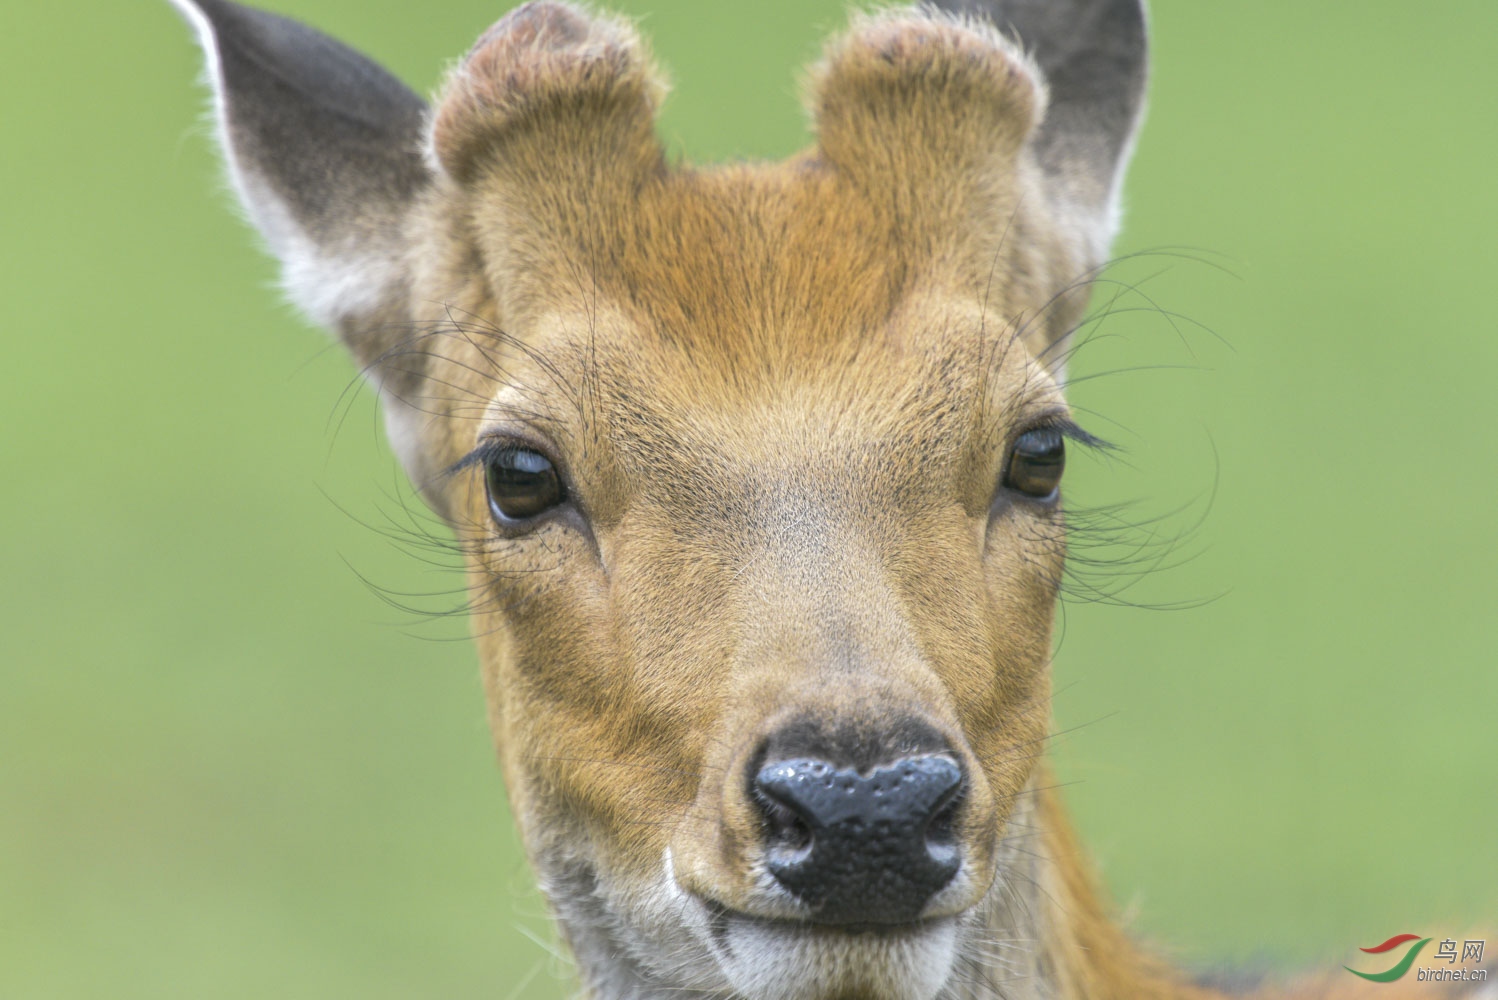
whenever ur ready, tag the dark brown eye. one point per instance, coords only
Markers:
(522, 484)
(1036, 463)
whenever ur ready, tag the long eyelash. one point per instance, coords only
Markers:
(488, 450)
(1067, 428)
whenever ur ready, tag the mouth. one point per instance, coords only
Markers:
(777, 959)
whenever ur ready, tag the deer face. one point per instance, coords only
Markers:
(756, 468)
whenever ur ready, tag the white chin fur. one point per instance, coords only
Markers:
(781, 961)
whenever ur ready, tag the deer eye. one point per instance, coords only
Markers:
(522, 484)
(1036, 463)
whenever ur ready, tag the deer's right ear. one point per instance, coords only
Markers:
(323, 147)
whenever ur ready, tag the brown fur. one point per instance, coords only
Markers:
(782, 396)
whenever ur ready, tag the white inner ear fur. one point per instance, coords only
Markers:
(327, 285)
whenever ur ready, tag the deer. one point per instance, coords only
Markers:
(756, 470)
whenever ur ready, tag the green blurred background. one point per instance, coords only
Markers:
(229, 769)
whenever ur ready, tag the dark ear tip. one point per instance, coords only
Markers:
(198, 12)
(190, 11)
(210, 20)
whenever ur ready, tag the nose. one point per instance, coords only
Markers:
(861, 848)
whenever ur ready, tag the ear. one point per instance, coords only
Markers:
(1093, 56)
(323, 149)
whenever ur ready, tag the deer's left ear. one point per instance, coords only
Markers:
(323, 148)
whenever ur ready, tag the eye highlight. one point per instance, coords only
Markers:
(1036, 462)
(522, 484)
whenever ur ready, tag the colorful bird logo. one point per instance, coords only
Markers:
(1404, 963)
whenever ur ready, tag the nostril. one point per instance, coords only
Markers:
(785, 830)
(941, 833)
(942, 827)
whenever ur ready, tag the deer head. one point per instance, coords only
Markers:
(756, 468)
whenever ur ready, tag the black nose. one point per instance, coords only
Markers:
(861, 849)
